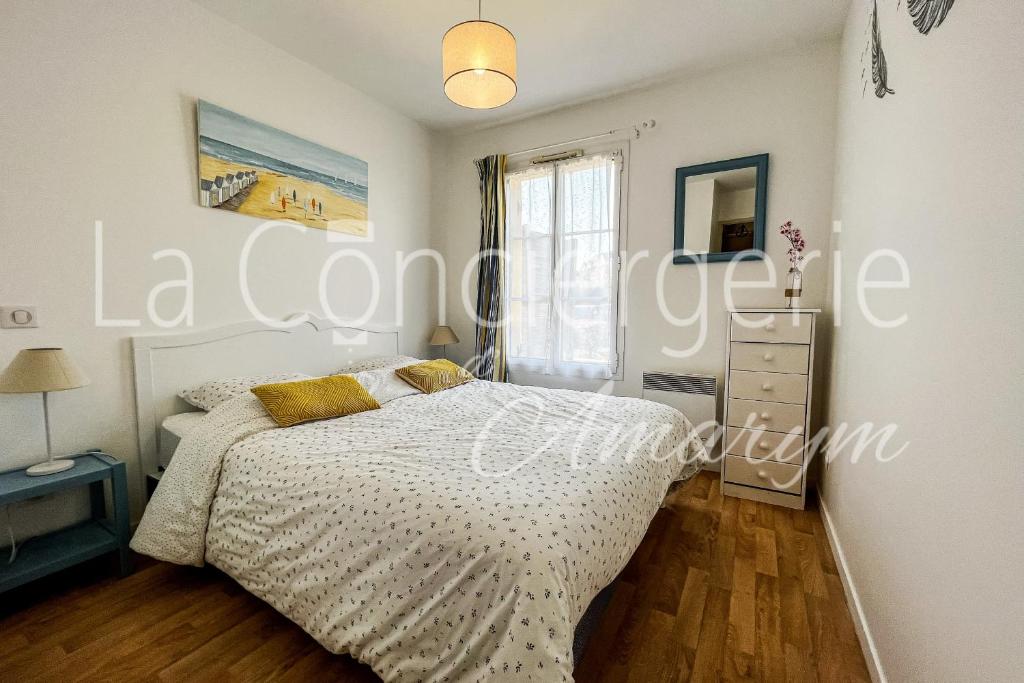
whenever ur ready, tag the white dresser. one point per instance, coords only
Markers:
(769, 375)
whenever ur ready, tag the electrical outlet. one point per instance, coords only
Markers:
(18, 317)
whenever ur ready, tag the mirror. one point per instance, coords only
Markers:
(720, 210)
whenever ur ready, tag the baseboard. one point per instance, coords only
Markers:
(860, 623)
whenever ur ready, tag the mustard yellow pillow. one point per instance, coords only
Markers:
(292, 403)
(434, 375)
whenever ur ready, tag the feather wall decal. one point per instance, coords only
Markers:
(928, 14)
(879, 70)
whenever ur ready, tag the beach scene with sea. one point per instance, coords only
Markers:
(255, 169)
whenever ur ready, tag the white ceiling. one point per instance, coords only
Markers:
(569, 50)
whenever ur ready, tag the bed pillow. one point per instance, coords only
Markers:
(434, 375)
(384, 385)
(181, 424)
(292, 403)
(209, 395)
(173, 429)
(378, 363)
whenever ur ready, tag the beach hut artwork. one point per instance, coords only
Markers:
(251, 168)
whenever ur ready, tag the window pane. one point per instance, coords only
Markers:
(538, 273)
(513, 209)
(528, 196)
(587, 266)
(586, 333)
(587, 195)
(515, 269)
(537, 206)
(588, 241)
(529, 274)
(535, 331)
(516, 338)
(528, 329)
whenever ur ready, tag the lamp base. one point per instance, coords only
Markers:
(49, 467)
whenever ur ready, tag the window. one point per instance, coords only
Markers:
(562, 276)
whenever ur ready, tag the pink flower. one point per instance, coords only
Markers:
(796, 242)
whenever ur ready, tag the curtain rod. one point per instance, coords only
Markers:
(650, 123)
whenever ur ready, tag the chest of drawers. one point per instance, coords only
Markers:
(769, 377)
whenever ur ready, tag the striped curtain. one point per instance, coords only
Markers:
(491, 363)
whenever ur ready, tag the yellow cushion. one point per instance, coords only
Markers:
(291, 403)
(434, 375)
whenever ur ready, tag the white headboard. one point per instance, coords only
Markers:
(166, 363)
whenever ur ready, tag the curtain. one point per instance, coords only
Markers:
(491, 363)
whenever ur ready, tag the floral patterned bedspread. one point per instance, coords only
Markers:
(456, 536)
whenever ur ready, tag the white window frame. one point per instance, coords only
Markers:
(620, 146)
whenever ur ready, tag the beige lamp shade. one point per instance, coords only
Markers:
(479, 63)
(39, 370)
(443, 335)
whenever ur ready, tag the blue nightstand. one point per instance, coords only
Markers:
(57, 550)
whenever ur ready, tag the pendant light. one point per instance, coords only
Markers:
(478, 59)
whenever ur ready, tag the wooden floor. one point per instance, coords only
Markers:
(727, 589)
(720, 589)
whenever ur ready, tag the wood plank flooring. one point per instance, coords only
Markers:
(720, 589)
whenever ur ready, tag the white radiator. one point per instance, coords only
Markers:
(695, 396)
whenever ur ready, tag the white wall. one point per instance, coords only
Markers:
(736, 205)
(99, 124)
(935, 171)
(783, 105)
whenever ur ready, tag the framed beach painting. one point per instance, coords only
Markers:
(251, 168)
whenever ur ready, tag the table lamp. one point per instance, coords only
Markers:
(443, 336)
(42, 371)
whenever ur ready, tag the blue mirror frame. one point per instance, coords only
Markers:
(758, 161)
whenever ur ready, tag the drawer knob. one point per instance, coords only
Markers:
(761, 474)
(769, 357)
(766, 387)
(770, 327)
(765, 416)
(763, 445)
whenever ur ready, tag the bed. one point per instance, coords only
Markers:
(453, 536)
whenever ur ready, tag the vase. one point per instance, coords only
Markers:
(794, 287)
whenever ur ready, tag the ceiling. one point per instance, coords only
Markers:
(568, 50)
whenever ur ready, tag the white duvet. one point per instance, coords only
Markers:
(457, 536)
